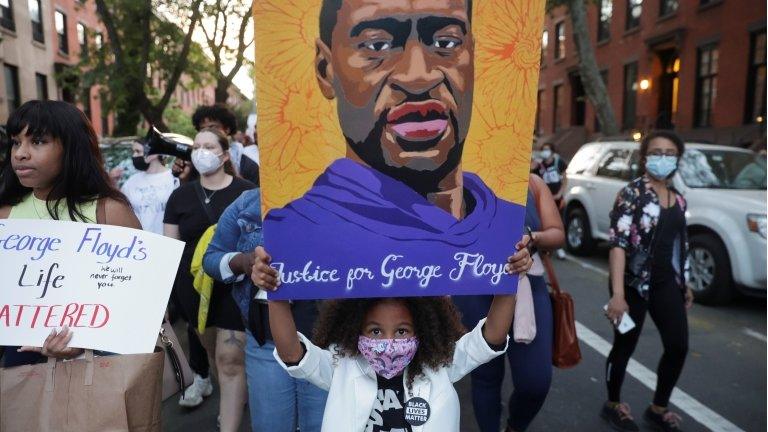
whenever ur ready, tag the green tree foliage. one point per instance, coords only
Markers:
(140, 49)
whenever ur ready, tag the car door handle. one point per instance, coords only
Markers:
(590, 186)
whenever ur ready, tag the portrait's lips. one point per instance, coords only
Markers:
(418, 121)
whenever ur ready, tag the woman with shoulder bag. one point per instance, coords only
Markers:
(648, 266)
(530, 363)
(190, 211)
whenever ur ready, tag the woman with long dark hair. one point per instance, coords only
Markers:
(648, 265)
(53, 169)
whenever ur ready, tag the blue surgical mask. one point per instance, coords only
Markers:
(661, 167)
(546, 154)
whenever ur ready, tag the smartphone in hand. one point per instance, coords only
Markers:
(625, 323)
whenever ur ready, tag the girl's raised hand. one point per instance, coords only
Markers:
(262, 274)
(521, 261)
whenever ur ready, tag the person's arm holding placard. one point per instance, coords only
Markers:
(222, 260)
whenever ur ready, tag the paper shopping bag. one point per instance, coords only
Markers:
(109, 393)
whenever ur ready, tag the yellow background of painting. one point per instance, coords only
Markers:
(299, 134)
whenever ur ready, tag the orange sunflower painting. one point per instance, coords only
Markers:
(298, 126)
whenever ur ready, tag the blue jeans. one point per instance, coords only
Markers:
(531, 365)
(275, 398)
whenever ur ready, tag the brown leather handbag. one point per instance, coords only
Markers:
(565, 349)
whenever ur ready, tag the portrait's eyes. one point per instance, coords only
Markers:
(15, 142)
(379, 45)
(375, 331)
(446, 43)
(403, 332)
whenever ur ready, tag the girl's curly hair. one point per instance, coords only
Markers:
(436, 323)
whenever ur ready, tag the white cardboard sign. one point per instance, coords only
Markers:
(109, 284)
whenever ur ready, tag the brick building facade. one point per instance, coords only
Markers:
(695, 66)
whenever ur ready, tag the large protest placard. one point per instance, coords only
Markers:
(395, 142)
(109, 284)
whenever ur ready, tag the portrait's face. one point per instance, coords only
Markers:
(402, 72)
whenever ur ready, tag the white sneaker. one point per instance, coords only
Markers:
(194, 394)
(560, 254)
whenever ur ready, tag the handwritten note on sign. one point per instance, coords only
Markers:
(109, 284)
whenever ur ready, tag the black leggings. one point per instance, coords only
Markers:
(666, 304)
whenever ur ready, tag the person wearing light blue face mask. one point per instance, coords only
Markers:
(648, 238)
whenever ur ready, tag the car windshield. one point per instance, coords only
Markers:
(723, 169)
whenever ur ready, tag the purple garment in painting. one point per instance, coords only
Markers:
(360, 233)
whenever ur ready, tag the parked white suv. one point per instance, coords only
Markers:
(726, 192)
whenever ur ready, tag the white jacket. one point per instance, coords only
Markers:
(352, 385)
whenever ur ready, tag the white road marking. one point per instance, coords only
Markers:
(757, 335)
(695, 409)
(685, 402)
(587, 265)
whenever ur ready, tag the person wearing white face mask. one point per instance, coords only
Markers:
(191, 210)
(551, 168)
(649, 268)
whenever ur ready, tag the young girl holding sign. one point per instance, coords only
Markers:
(54, 170)
(389, 363)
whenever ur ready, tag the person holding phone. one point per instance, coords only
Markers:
(648, 269)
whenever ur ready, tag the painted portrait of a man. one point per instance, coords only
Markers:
(396, 213)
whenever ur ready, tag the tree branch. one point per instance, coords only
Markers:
(241, 45)
(181, 61)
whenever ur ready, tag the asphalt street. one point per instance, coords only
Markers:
(723, 385)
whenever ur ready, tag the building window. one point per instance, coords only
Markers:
(12, 92)
(557, 104)
(604, 20)
(756, 80)
(560, 40)
(629, 109)
(98, 40)
(706, 84)
(61, 30)
(36, 15)
(42, 86)
(668, 7)
(6, 15)
(634, 11)
(82, 39)
(544, 45)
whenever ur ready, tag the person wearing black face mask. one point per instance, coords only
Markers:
(148, 190)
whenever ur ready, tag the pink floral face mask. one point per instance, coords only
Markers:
(388, 357)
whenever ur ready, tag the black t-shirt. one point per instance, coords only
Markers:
(671, 223)
(186, 210)
(552, 173)
(388, 413)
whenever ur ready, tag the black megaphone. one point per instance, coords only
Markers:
(168, 144)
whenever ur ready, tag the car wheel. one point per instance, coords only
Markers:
(710, 272)
(578, 234)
